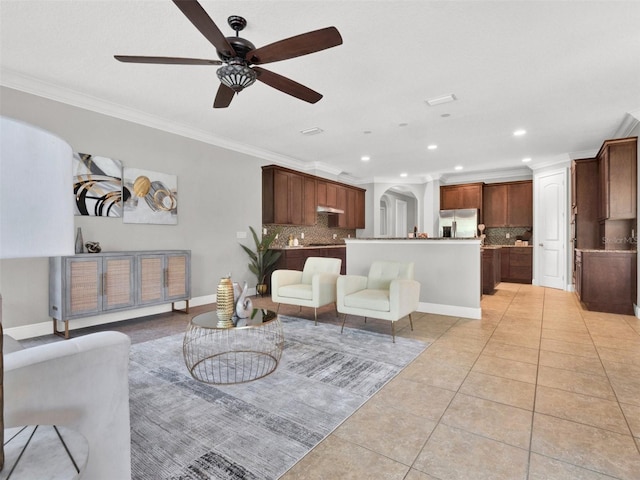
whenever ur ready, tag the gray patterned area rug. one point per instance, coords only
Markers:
(185, 429)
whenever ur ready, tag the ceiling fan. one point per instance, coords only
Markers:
(238, 55)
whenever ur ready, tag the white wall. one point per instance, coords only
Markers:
(219, 193)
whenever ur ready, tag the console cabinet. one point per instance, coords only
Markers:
(91, 284)
(517, 264)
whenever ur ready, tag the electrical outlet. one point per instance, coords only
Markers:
(508, 235)
(302, 235)
(335, 235)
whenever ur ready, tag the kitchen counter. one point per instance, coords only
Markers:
(599, 250)
(448, 269)
(303, 247)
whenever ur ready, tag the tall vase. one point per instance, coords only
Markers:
(79, 241)
(225, 303)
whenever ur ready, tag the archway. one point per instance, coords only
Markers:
(394, 199)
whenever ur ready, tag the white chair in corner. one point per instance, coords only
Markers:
(389, 292)
(313, 287)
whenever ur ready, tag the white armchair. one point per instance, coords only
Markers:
(313, 287)
(389, 292)
(82, 384)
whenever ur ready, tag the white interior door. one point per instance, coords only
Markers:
(401, 219)
(550, 232)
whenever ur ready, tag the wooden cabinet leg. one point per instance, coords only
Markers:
(64, 334)
(184, 310)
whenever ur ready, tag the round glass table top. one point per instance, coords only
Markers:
(258, 317)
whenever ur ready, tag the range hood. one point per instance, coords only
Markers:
(322, 209)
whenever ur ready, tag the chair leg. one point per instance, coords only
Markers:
(315, 315)
(411, 322)
(393, 331)
(344, 319)
(335, 304)
(365, 319)
(277, 309)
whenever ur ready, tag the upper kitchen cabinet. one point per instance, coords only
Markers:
(508, 204)
(468, 195)
(288, 197)
(293, 198)
(494, 206)
(520, 204)
(617, 166)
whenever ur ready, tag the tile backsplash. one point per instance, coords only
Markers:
(498, 235)
(318, 233)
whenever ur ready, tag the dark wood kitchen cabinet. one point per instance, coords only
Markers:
(288, 198)
(495, 205)
(508, 204)
(617, 169)
(491, 269)
(584, 203)
(606, 281)
(516, 264)
(468, 195)
(520, 204)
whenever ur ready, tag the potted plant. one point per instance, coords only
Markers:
(262, 259)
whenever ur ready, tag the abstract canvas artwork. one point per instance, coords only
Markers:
(97, 185)
(149, 197)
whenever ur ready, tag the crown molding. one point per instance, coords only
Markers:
(503, 175)
(558, 161)
(27, 84)
(629, 122)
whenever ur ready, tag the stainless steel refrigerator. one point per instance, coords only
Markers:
(462, 223)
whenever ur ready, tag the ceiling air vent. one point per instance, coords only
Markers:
(311, 131)
(432, 102)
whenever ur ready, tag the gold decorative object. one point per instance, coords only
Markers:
(141, 186)
(225, 302)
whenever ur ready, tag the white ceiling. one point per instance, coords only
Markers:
(566, 71)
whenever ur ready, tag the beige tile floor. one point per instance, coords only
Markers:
(539, 388)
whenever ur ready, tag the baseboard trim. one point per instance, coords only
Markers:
(450, 310)
(46, 328)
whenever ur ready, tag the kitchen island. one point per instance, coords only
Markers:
(448, 270)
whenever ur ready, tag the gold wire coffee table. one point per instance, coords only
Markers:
(246, 351)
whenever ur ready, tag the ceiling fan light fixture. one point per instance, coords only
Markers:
(236, 76)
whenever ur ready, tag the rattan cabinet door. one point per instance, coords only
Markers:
(177, 277)
(83, 279)
(118, 282)
(150, 279)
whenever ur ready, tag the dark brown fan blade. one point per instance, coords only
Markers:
(196, 15)
(296, 46)
(167, 60)
(223, 97)
(287, 86)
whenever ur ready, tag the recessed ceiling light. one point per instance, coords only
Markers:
(403, 124)
(403, 174)
(365, 158)
(441, 99)
(519, 133)
(525, 160)
(311, 131)
(367, 132)
(432, 147)
(445, 115)
(458, 167)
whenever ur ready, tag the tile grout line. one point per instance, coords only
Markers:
(411, 467)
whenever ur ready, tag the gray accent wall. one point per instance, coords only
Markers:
(219, 194)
